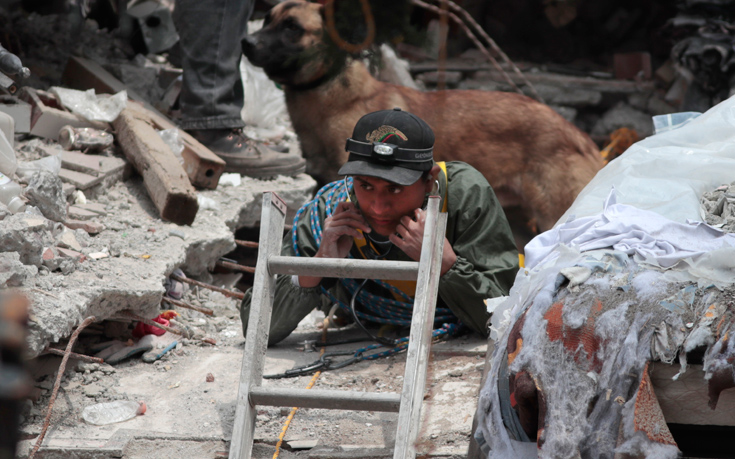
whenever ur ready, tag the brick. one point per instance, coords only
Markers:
(90, 227)
(48, 254)
(68, 253)
(94, 165)
(48, 117)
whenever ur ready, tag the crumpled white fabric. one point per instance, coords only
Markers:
(648, 236)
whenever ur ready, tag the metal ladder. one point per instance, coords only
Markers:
(270, 263)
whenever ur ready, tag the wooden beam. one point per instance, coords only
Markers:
(163, 176)
(203, 167)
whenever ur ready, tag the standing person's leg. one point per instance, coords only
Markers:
(211, 98)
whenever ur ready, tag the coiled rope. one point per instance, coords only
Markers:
(377, 309)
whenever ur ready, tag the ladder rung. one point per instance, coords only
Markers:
(326, 399)
(343, 267)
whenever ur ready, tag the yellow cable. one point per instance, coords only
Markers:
(308, 386)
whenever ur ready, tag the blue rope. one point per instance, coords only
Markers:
(378, 309)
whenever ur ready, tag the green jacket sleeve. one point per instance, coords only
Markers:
(487, 257)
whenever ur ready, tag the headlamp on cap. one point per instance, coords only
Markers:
(383, 149)
(388, 152)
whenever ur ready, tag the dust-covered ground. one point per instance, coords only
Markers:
(187, 416)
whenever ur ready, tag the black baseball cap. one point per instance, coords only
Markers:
(393, 145)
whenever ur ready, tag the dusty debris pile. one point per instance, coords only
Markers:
(611, 299)
(718, 207)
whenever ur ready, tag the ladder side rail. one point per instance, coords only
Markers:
(256, 339)
(422, 321)
(344, 268)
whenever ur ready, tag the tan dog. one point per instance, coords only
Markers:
(532, 157)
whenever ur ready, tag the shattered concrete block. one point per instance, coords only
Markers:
(45, 192)
(91, 164)
(89, 227)
(51, 259)
(67, 240)
(94, 207)
(13, 273)
(68, 253)
(26, 234)
(79, 213)
(68, 189)
(80, 180)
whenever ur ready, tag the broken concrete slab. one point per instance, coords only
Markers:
(79, 213)
(80, 180)
(26, 234)
(45, 191)
(13, 273)
(143, 250)
(89, 227)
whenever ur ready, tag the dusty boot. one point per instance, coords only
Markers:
(246, 156)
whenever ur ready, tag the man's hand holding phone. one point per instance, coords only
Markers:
(409, 237)
(337, 236)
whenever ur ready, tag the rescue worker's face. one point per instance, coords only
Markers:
(383, 203)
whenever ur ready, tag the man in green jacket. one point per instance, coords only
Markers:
(377, 212)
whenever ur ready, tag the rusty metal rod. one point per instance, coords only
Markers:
(59, 375)
(223, 291)
(181, 304)
(235, 266)
(74, 355)
(249, 244)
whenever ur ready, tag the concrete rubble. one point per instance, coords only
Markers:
(69, 274)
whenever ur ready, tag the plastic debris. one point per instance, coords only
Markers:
(111, 412)
(91, 106)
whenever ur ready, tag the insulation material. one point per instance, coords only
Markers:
(608, 292)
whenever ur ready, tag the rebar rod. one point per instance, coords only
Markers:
(182, 304)
(223, 291)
